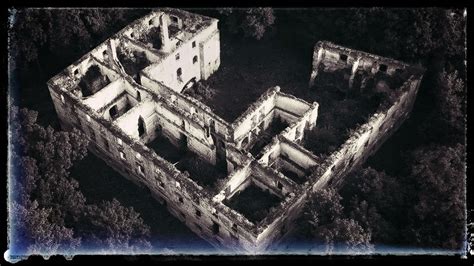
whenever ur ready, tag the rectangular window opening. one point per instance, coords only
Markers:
(106, 144)
(215, 228)
(343, 57)
(280, 186)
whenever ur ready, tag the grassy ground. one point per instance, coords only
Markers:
(253, 203)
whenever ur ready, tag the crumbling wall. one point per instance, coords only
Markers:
(175, 126)
(296, 158)
(335, 57)
(122, 103)
(106, 94)
(195, 59)
(102, 52)
(79, 70)
(295, 132)
(280, 222)
(133, 45)
(269, 179)
(290, 106)
(270, 152)
(260, 111)
(363, 141)
(235, 157)
(128, 122)
(135, 161)
(271, 104)
(143, 166)
(198, 111)
(236, 179)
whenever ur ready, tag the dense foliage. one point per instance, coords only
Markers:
(252, 22)
(424, 208)
(48, 211)
(327, 222)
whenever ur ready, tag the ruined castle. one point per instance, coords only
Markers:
(127, 96)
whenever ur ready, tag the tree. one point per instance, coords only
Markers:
(45, 144)
(44, 157)
(116, 227)
(327, 221)
(369, 217)
(451, 99)
(373, 186)
(438, 173)
(424, 208)
(375, 200)
(252, 22)
(257, 21)
(27, 34)
(33, 231)
(43, 196)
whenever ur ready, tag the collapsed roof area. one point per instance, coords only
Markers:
(239, 185)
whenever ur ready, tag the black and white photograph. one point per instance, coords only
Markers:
(236, 131)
